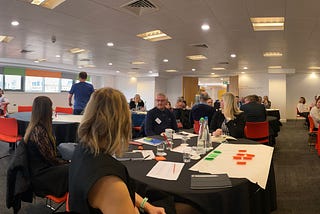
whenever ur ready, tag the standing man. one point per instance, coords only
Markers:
(82, 92)
(160, 118)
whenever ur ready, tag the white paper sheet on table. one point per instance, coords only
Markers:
(255, 170)
(166, 170)
(181, 134)
(146, 153)
(222, 138)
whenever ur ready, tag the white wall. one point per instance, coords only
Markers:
(127, 85)
(253, 84)
(174, 89)
(278, 93)
(146, 89)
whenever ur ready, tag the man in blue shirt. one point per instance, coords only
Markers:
(160, 118)
(82, 92)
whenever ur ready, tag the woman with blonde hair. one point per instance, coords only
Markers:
(229, 120)
(98, 183)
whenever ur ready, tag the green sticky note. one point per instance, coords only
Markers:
(213, 155)
(209, 158)
(216, 151)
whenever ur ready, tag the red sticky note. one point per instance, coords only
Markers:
(241, 162)
(237, 157)
(240, 154)
(250, 155)
(247, 158)
(242, 150)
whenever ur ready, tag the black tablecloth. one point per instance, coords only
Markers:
(64, 131)
(243, 197)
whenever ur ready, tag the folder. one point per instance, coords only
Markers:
(210, 181)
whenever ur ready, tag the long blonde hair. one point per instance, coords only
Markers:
(230, 108)
(106, 123)
(41, 115)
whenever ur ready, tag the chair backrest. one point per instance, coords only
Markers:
(66, 110)
(256, 130)
(196, 126)
(24, 108)
(311, 123)
(9, 127)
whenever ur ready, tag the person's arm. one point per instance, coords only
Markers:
(148, 129)
(70, 99)
(174, 121)
(5, 101)
(110, 195)
(147, 207)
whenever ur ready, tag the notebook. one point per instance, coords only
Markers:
(210, 181)
(131, 156)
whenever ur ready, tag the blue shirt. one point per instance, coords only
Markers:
(82, 92)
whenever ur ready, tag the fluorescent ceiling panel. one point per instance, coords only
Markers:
(267, 23)
(154, 36)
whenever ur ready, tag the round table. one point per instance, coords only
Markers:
(64, 126)
(242, 197)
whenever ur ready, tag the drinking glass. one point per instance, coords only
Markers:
(160, 149)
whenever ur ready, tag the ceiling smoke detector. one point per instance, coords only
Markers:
(140, 7)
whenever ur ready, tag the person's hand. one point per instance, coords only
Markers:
(217, 133)
(154, 210)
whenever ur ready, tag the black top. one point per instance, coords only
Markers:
(85, 170)
(201, 110)
(255, 112)
(133, 104)
(235, 126)
(157, 121)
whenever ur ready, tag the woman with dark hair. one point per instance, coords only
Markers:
(49, 174)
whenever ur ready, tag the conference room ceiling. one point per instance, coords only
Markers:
(91, 24)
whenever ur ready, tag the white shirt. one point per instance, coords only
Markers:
(3, 99)
(302, 107)
(315, 114)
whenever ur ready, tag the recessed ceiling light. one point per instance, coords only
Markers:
(51, 4)
(58, 56)
(314, 67)
(77, 50)
(165, 60)
(110, 44)
(205, 27)
(193, 69)
(150, 72)
(272, 54)
(14, 23)
(154, 36)
(6, 39)
(275, 67)
(233, 55)
(213, 73)
(243, 72)
(245, 67)
(138, 63)
(171, 71)
(267, 23)
(36, 61)
(110, 63)
(117, 71)
(218, 68)
(79, 66)
(197, 57)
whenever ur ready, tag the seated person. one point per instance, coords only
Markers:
(98, 182)
(303, 109)
(254, 111)
(136, 103)
(159, 118)
(229, 120)
(266, 102)
(210, 102)
(179, 104)
(49, 174)
(202, 109)
(216, 105)
(3, 102)
(315, 114)
(168, 106)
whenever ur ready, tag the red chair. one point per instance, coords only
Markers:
(58, 200)
(257, 131)
(196, 126)
(9, 131)
(24, 108)
(66, 110)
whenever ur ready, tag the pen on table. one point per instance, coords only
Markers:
(174, 168)
(146, 157)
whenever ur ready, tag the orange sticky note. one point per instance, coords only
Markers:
(160, 158)
(140, 147)
(241, 162)
(247, 158)
(250, 155)
(242, 150)
(240, 154)
(237, 157)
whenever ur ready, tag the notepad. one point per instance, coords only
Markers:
(131, 156)
(210, 181)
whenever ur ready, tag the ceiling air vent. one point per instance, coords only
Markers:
(200, 45)
(223, 63)
(25, 51)
(140, 7)
(85, 60)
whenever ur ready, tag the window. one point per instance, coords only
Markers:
(1, 80)
(33, 84)
(12, 82)
(51, 84)
(66, 84)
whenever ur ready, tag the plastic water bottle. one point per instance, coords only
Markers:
(208, 145)
(201, 143)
